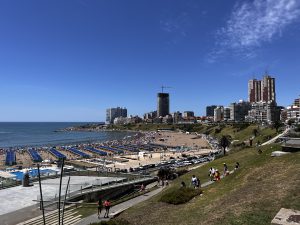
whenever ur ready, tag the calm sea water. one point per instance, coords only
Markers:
(42, 134)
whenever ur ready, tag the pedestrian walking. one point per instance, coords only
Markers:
(211, 173)
(225, 170)
(107, 207)
(198, 183)
(194, 181)
(142, 188)
(100, 207)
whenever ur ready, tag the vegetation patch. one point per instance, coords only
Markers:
(181, 195)
(112, 222)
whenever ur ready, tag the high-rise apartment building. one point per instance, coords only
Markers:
(268, 89)
(264, 112)
(218, 114)
(187, 114)
(210, 110)
(113, 113)
(238, 111)
(254, 90)
(163, 104)
(262, 90)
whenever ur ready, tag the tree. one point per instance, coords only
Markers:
(255, 132)
(164, 173)
(224, 142)
(277, 125)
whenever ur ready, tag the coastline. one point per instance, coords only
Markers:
(168, 145)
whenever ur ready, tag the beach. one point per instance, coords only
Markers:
(165, 146)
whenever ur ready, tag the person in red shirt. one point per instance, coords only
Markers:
(106, 205)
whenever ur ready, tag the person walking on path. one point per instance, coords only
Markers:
(225, 172)
(100, 207)
(198, 183)
(211, 173)
(107, 207)
(194, 181)
(142, 188)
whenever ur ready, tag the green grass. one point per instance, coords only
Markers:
(86, 210)
(251, 195)
(112, 222)
(180, 195)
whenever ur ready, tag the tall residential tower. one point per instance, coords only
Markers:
(254, 90)
(262, 90)
(163, 104)
(268, 89)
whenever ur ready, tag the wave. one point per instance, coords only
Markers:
(5, 132)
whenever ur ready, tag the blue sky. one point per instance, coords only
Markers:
(70, 60)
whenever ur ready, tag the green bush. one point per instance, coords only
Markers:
(181, 195)
(181, 172)
(112, 222)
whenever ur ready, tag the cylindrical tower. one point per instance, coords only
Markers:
(163, 104)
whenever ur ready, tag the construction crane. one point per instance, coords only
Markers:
(164, 87)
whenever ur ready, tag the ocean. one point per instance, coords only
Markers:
(28, 134)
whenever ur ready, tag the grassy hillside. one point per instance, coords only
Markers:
(251, 195)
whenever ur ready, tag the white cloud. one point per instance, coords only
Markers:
(176, 26)
(253, 23)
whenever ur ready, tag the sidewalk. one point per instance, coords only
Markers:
(275, 138)
(119, 208)
(115, 210)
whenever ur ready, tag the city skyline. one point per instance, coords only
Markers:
(70, 61)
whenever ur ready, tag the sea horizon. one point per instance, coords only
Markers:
(38, 134)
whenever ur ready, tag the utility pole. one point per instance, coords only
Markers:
(41, 194)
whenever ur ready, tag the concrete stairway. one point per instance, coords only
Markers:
(70, 217)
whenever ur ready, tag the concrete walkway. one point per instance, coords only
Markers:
(276, 137)
(115, 210)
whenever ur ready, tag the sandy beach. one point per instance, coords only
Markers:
(191, 143)
(180, 139)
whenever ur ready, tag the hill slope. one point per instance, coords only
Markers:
(251, 195)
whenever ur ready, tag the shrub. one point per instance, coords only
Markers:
(180, 195)
(182, 172)
(166, 173)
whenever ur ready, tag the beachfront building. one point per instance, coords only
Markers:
(268, 89)
(113, 113)
(226, 113)
(218, 114)
(291, 112)
(177, 117)
(238, 111)
(262, 90)
(188, 114)
(210, 110)
(254, 90)
(262, 111)
(150, 115)
(163, 104)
